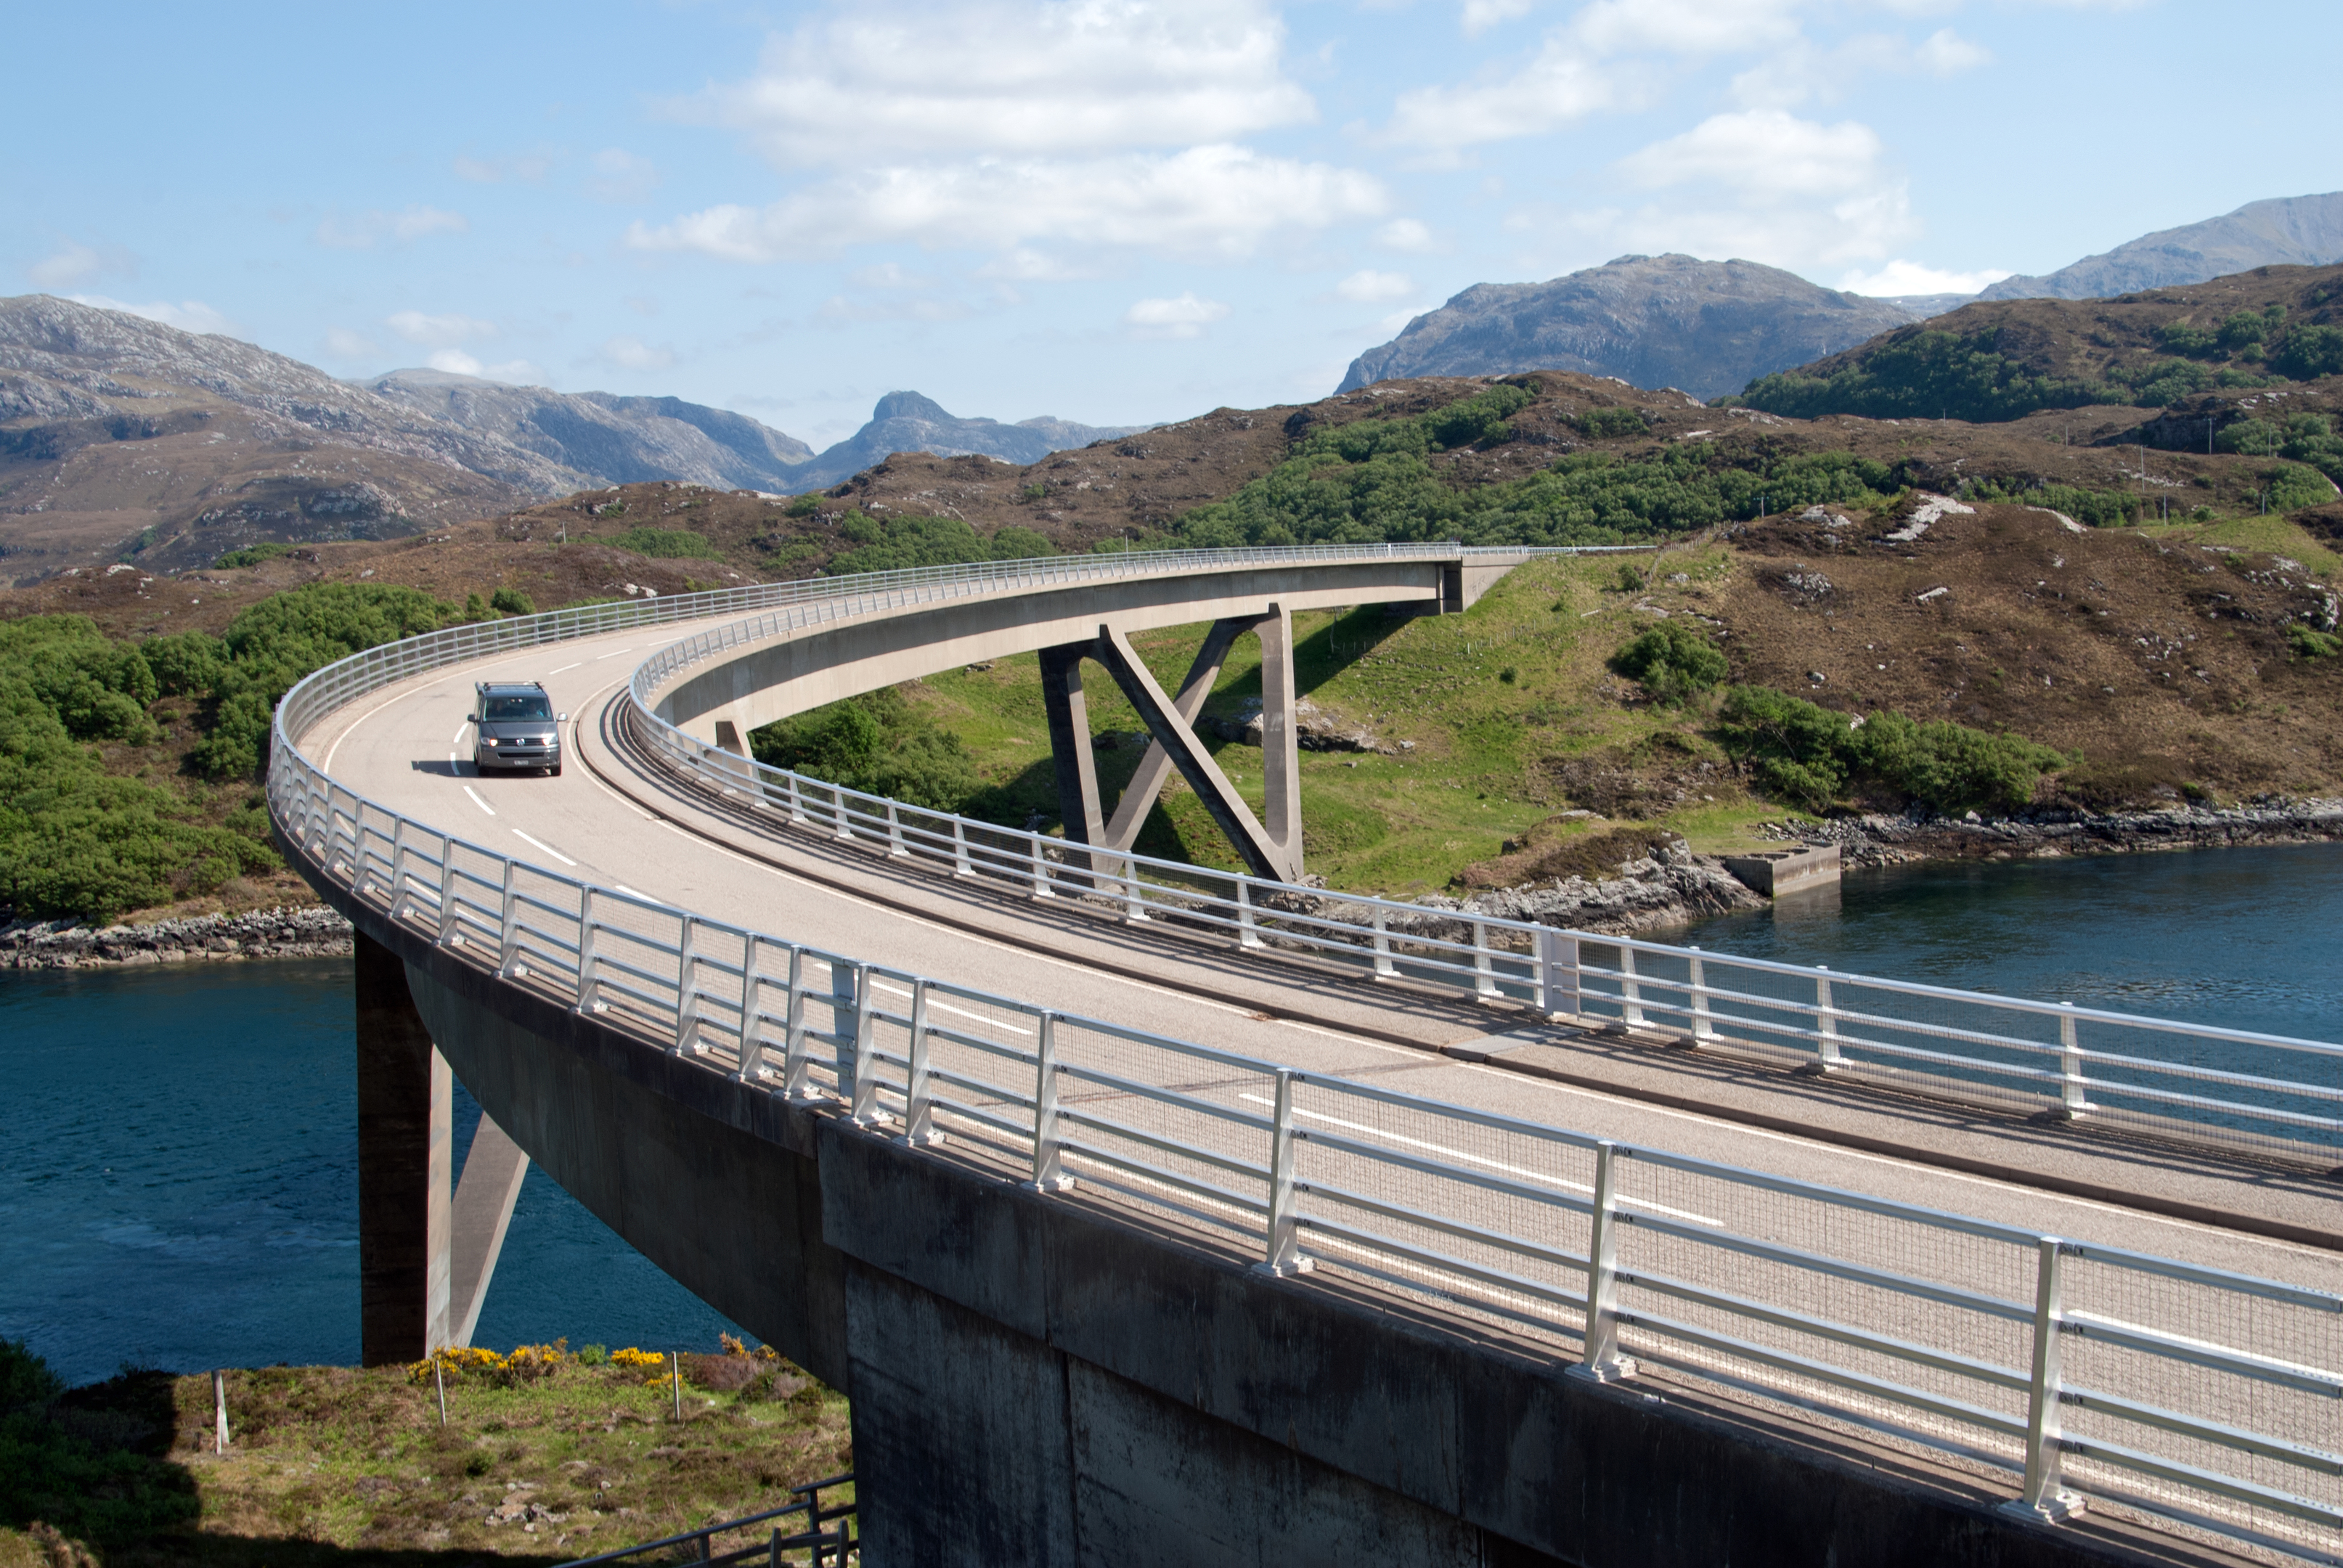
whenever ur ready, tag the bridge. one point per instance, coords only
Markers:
(1146, 1213)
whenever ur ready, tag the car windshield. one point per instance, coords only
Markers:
(499, 709)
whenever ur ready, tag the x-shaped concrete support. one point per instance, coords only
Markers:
(1272, 849)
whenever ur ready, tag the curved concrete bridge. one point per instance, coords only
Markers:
(1147, 1220)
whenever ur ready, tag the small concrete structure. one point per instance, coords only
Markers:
(1778, 872)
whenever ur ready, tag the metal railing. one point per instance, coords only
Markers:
(827, 1536)
(2178, 1390)
(2263, 1093)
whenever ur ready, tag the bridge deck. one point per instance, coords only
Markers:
(403, 750)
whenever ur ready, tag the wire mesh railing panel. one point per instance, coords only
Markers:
(1879, 1296)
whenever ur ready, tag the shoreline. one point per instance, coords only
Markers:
(287, 931)
(1913, 836)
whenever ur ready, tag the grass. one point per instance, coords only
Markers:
(1481, 770)
(2274, 534)
(333, 1464)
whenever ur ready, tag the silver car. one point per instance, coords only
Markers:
(516, 727)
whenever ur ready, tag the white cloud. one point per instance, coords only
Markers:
(73, 263)
(1479, 16)
(620, 176)
(344, 344)
(1946, 52)
(1696, 27)
(186, 315)
(530, 168)
(439, 331)
(1023, 265)
(365, 230)
(1901, 276)
(1405, 234)
(889, 275)
(1217, 199)
(631, 353)
(512, 372)
(1183, 316)
(879, 83)
(1390, 325)
(1371, 287)
(1801, 71)
(454, 361)
(1563, 83)
(1762, 154)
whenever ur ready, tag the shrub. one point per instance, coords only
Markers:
(1601, 424)
(1807, 754)
(1673, 661)
(878, 743)
(2306, 353)
(665, 544)
(511, 601)
(252, 555)
(803, 507)
(2308, 642)
(894, 544)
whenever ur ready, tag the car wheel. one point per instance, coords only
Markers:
(554, 771)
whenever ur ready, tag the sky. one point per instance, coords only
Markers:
(1105, 210)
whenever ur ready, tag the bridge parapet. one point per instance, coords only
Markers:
(1934, 1329)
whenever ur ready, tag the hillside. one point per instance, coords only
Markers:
(598, 438)
(907, 422)
(2290, 231)
(2006, 359)
(1707, 326)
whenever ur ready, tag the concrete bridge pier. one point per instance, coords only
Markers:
(427, 1246)
(1271, 848)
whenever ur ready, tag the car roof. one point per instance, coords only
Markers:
(509, 686)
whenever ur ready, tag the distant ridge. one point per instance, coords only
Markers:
(2287, 231)
(1707, 328)
(908, 422)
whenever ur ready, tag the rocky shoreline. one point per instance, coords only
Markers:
(1893, 840)
(290, 932)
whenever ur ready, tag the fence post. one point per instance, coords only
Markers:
(397, 865)
(1557, 971)
(919, 1107)
(1248, 935)
(1631, 995)
(590, 968)
(2073, 1095)
(1134, 898)
(219, 1411)
(864, 1104)
(508, 919)
(1282, 1253)
(2044, 1498)
(845, 988)
(1702, 1028)
(448, 925)
(1385, 968)
(1042, 888)
(686, 989)
(1826, 1022)
(1048, 1155)
(795, 1068)
(751, 1032)
(1603, 1362)
(1484, 976)
(961, 867)
(895, 850)
(796, 801)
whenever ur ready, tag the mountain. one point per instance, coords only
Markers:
(2290, 231)
(2006, 359)
(599, 440)
(907, 422)
(1707, 328)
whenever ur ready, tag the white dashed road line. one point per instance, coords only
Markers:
(600, 657)
(483, 805)
(565, 667)
(621, 887)
(544, 846)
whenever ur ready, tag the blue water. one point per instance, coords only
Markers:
(178, 1183)
(2243, 939)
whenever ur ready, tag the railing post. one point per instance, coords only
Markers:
(1826, 1022)
(1248, 935)
(589, 977)
(448, 923)
(1702, 1028)
(1557, 971)
(508, 919)
(796, 801)
(686, 988)
(2044, 1498)
(840, 828)
(1631, 994)
(1283, 1249)
(961, 867)
(397, 865)
(751, 1032)
(1603, 1362)
(895, 850)
(1484, 976)
(1385, 968)
(2073, 1092)
(919, 1107)
(795, 1069)
(1042, 888)
(1049, 1154)
(863, 1106)
(1134, 901)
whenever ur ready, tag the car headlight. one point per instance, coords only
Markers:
(491, 742)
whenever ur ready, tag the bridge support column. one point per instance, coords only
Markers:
(1271, 849)
(426, 1247)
